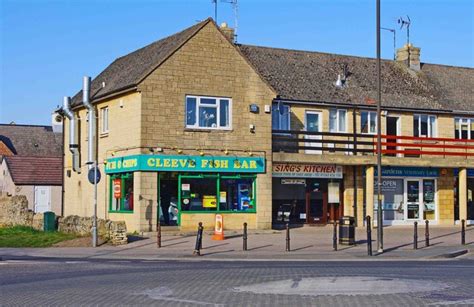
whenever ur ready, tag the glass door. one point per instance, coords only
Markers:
(413, 200)
(313, 124)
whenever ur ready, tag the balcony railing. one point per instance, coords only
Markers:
(292, 141)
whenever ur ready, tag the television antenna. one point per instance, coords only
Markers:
(235, 7)
(394, 41)
(405, 23)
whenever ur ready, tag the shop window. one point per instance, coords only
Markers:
(368, 122)
(121, 193)
(392, 199)
(429, 210)
(280, 118)
(464, 128)
(236, 194)
(208, 112)
(337, 120)
(424, 126)
(198, 194)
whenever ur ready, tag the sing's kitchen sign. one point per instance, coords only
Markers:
(307, 171)
(185, 164)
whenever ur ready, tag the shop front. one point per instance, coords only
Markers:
(188, 185)
(408, 195)
(307, 193)
(470, 196)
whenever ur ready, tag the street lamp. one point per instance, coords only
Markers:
(379, 141)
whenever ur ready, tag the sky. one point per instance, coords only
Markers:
(47, 46)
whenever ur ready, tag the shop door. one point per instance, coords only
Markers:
(168, 204)
(413, 200)
(316, 207)
(312, 123)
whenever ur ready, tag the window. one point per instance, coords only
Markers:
(121, 192)
(424, 126)
(280, 119)
(208, 112)
(217, 193)
(337, 120)
(464, 128)
(104, 112)
(368, 122)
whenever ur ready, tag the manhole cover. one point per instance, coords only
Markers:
(349, 285)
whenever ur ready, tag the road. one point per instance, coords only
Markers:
(233, 283)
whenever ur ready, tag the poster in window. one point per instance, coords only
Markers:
(186, 187)
(209, 201)
(333, 192)
(223, 197)
(117, 188)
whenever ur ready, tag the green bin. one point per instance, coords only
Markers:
(49, 221)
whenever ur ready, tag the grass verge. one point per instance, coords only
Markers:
(22, 236)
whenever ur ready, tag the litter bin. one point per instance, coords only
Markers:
(49, 221)
(347, 230)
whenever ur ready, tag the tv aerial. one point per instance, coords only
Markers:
(405, 23)
(235, 7)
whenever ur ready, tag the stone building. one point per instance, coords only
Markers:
(193, 125)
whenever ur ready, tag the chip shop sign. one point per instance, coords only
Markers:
(185, 164)
(307, 171)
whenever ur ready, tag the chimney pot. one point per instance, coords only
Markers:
(410, 55)
(227, 31)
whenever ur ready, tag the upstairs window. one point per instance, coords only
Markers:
(337, 120)
(208, 112)
(464, 128)
(424, 126)
(280, 118)
(104, 115)
(368, 122)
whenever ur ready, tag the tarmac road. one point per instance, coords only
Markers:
(41, 281)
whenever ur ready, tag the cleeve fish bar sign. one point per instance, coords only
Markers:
(307, 171)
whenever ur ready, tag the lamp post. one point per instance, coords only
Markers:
(379, 141)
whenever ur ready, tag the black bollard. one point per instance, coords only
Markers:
(427, 233)
(369, 236)
(198, 246)
(463, 232)
(288, 237)
(415, 235)
(334, 236)
(158, 233)
(244, 237)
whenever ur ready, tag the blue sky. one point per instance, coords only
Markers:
(46, 46)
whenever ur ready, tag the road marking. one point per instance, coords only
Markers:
(165, 294)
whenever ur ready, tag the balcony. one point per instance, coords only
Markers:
(356, 149)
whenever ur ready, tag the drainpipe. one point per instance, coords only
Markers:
(92, 120)
(73, 145)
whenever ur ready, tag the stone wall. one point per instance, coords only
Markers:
(14, 212)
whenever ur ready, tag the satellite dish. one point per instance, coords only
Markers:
(281, 108)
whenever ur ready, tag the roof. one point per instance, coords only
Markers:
(30, 140)
(129, 70)
(35, 170)
(4, 150)
(311, 76)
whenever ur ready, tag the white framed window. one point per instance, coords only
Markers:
(424, 125)
(464, 128)
(104, 115)
(280, 118)
(368, 122)
(208, 112)
(337, 120)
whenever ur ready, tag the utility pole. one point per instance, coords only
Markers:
(379, 140)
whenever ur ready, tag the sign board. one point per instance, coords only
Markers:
(333, 192)
(91, 173)
(421, 172)
(293, 181)
(209, 201)
(184, 163)
(117, 188)
(470, 172)
(219, 228)
(307, 171)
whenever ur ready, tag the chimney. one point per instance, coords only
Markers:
(410, 55)
(228, 32)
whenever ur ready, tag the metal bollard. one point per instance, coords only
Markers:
(244, 237)
(463, 232)
(369, 236)
(427, 233)
(415, 235)
(158, 234)
(334, 236)
(198, 246)
(288, 237)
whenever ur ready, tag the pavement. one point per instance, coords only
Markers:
(306, 244)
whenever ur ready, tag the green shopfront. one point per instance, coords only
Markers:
(189, 188)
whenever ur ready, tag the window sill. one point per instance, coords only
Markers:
(121, 211)
(208, 129)
(104, 134)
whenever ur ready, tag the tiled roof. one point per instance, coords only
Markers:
(28, 140)
(4, 150)
(311, 76)
(129, 70)
(35, 170)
